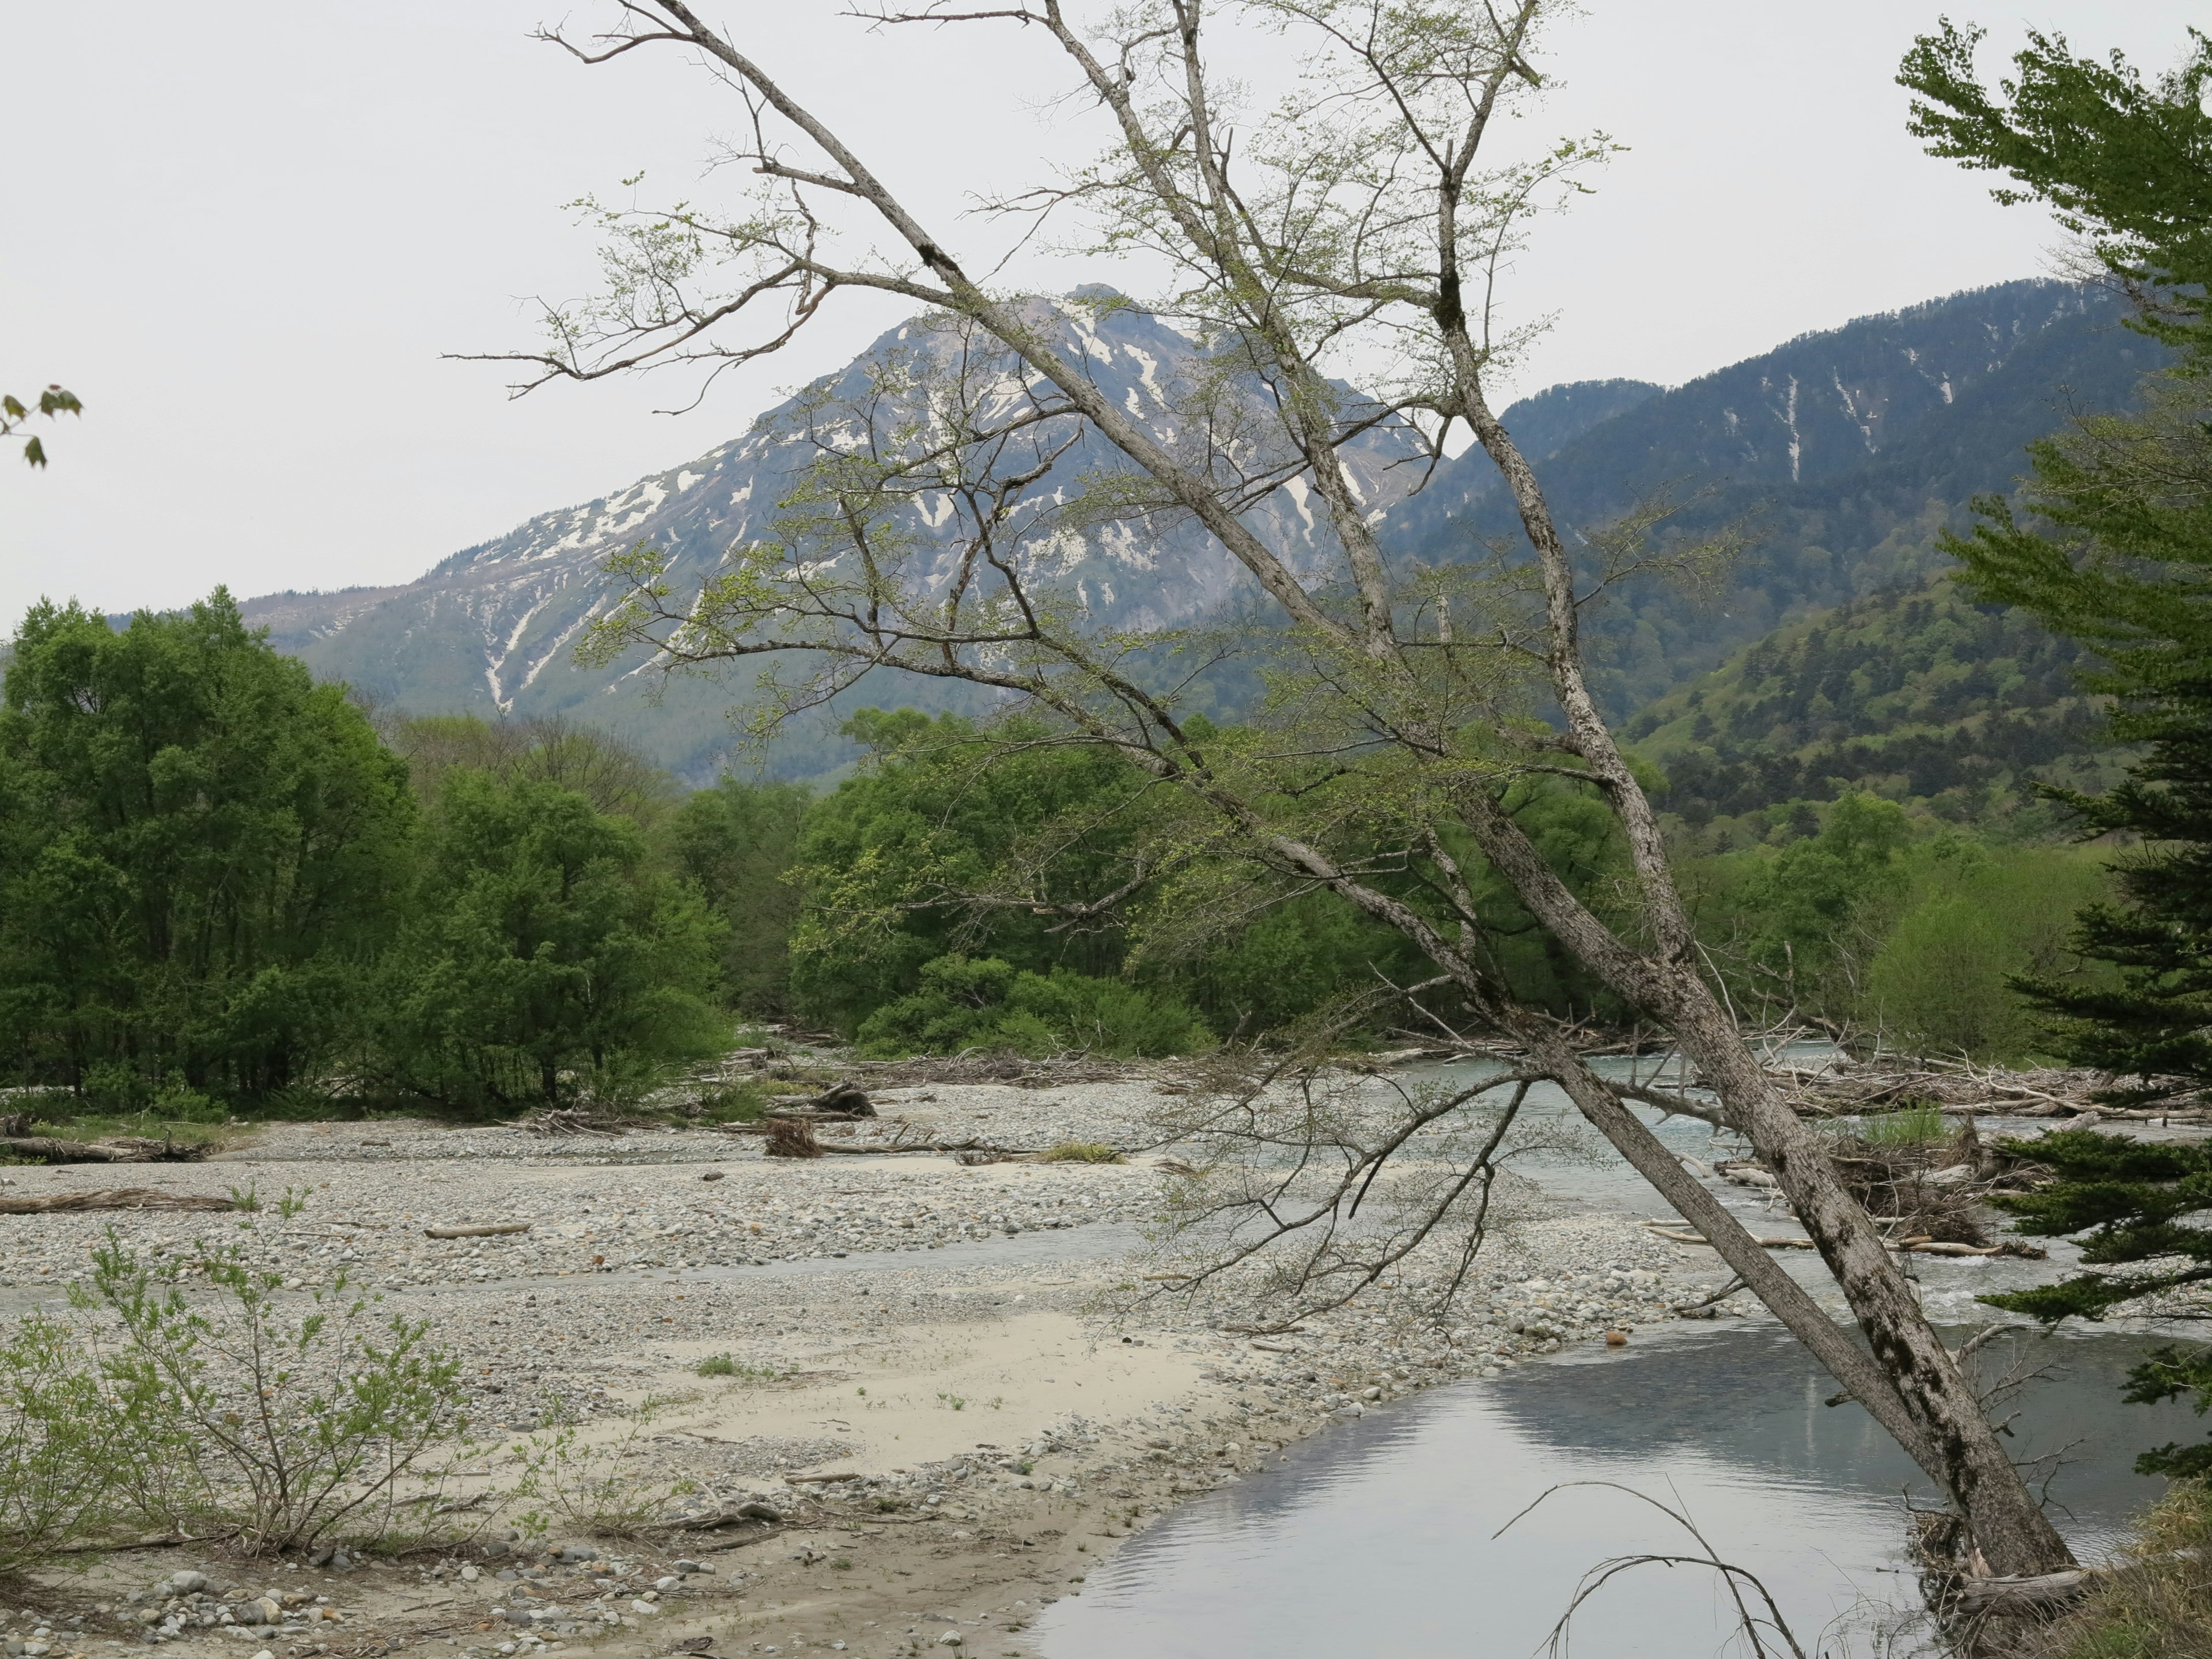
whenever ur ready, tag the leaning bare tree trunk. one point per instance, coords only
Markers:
(1922, 1395)
(1955, 1442)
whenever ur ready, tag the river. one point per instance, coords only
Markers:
(1376, 1538)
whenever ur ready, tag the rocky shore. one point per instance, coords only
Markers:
(922, 1398)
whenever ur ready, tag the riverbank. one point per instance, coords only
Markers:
(965, 1349)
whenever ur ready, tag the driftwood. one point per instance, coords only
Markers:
(792, 1137)
(728, 1514)
(114, 1198)
(1904, 1246)
(2043, 1590)
(838, 1100)
(476, 1229)
(131, 1149)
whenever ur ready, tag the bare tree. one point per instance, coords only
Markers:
(1358, 225)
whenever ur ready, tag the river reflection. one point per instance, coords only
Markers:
(1375, 1538)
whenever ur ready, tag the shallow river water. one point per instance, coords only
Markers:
(1376, 1538)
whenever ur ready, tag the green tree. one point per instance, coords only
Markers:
(2115, 547)
(737, 843)
(545, 953)
(2141, 1205)
(200, 853)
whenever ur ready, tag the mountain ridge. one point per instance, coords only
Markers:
(1847, 449)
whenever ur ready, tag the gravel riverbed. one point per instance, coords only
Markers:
(943, 1380)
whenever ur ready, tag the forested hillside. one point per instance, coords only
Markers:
(1913, 693)
(1836, 458)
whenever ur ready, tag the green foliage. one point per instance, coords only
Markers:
(737, 841)
(899, 865)
(2153, 1601)
(2117, 538)
(13, 412)
(265, 1419)
(617, 778)
(66, 1434)
(1914, 1125)
(2139, 1202)
(987, 1003)
(993, 843)
(541, 942)
(1919, 938)
(585, 1485)
(1916, 694)
(717, 1364)
(2126, 164)
(1970, 925)
(200, 853)
(1081, 1152)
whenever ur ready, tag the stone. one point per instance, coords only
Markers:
(471, 1573)
(579, 1552)
(187, 1582)
(951, 1638)
(1616, 1339)
(694, 1566)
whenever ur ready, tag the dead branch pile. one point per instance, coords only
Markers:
(1012, 1068)
(571, 1120)
(1929, 1194)
(1960, 1087)
(792, 1137)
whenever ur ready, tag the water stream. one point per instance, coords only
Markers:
(1376, 1538)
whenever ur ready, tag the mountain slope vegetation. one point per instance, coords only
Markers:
(1914, 693)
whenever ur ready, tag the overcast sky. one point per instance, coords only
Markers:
(244, 233)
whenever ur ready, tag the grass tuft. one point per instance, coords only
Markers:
(1082, 1151)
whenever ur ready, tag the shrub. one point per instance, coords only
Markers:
(1082, 1151)
(64, 1440)
(274, 1429)
(982, 1002)
(584, 1486)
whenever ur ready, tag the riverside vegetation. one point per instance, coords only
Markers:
(228, 888)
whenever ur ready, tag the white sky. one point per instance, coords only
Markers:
(245, 231)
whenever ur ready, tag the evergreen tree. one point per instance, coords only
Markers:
(2136, 1200)
(2115, 547)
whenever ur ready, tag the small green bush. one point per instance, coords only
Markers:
(65, 1440)
(275, 1422)
(983, 1002)
(717, 1364)
(585, 1485)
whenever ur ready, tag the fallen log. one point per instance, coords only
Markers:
(2043, 1590)
(114, 1198)
(68, 1151)
(484, 1229)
